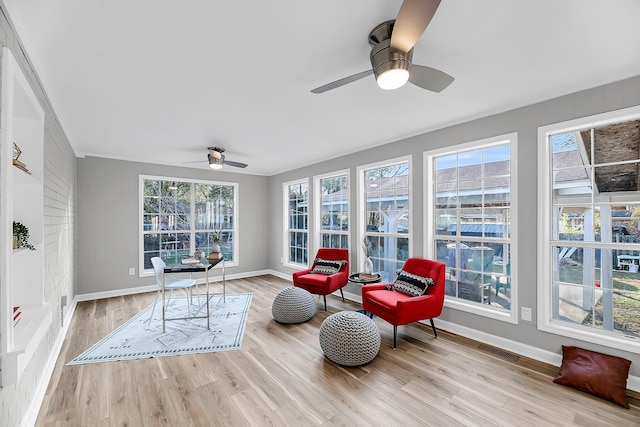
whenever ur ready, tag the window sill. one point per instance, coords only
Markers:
(482, 310)
(598, 336)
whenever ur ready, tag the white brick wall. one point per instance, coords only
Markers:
(59, 240)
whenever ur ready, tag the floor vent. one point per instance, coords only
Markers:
(499, 353)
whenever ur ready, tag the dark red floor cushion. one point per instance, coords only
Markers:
(600, 374)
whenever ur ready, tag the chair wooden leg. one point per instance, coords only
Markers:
(434, 328)
(395, 336)
(341, 293)
(325, 302)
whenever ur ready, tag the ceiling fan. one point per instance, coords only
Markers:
(217, 159)
(392, 50)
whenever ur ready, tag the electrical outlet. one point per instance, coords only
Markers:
(525, 313)
(132, 271)
(63, 300)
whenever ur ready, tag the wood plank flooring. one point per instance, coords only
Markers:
(280, 377)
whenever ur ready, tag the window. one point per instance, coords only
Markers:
(180, 216)
(333, 210)
(470, 226)
(590, 223)
(297, 222)
(384, 221)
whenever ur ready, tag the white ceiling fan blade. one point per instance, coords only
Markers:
(413, 18)
(341, 82)
(429, 78)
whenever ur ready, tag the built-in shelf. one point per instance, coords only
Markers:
(21, 270)
(28, 335)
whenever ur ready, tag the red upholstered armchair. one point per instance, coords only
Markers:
(399, 308)
(323, 284)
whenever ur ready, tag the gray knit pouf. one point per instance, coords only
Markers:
(293, 305)
(349, 338)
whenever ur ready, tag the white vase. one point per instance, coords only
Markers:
(215, 248)
(368, 266)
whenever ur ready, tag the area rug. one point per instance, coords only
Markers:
(140, 338)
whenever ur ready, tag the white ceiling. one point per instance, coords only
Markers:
(159, 81)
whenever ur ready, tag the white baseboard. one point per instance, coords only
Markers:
(41, 388)
(283, 276)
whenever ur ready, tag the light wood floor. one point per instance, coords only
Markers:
(281, 378)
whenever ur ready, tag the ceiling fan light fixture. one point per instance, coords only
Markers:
(393, 78)
(215, 162)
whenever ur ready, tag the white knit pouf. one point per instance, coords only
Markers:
(293, 305)
(349, 338)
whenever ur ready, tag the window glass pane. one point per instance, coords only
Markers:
(472, 224)
(386, 220)
(616, 178)
(615, 143)
(497, 161)
(298, 222)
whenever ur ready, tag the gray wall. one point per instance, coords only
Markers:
(59, 240)
(108, 220)
(525, 122)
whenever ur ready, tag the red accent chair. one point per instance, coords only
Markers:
(323, 284)
(400, 309)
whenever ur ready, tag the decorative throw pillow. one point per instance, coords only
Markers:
(600, 374)
(326, 266)
(412, 284)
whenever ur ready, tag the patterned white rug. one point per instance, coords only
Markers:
(140, 338)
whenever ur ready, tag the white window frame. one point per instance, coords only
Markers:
(317, 189)
(285, 216)
(236, 234)
(511, 315)
(546, 322)
(361, 204)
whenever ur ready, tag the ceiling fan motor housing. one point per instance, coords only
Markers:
(383, 56)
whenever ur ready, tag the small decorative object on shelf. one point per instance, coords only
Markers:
(16, 151)
(214, 256)
(21, 236)
(17, 315)
(198, 254)
(189, 261)
(17, 163)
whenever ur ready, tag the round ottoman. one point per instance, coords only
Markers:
(293, 305)
(349, 338)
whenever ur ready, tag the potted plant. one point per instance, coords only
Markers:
(215, 254)
(21, 236)
(217, 238)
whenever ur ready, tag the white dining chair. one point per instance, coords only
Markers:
(170, 283)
